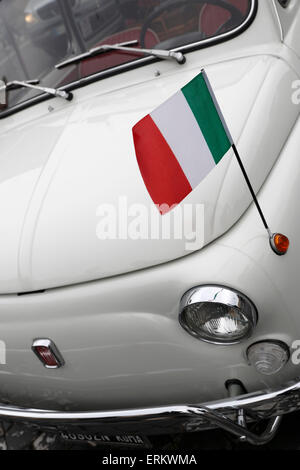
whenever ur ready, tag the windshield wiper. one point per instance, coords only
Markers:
(33, 84)
(161, 54)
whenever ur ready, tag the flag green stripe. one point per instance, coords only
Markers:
(201, 103)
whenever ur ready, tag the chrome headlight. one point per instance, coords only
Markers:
(217, 314)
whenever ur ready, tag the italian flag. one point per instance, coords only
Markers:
(180, 142)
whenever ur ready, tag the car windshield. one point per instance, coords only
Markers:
(37, 34)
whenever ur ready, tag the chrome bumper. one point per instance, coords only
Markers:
(231, 414)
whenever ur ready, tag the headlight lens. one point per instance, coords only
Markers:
(217, 314)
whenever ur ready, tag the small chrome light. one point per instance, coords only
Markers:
(268, 357)
(217, 314)
(47, 353)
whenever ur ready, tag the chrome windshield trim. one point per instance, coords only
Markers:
(223, 36)
(138, 63)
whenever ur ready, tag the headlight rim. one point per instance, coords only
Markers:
(208, 294)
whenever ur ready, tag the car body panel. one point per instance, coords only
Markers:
(120, 337)
(83, 166)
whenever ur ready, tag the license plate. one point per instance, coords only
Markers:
(128, 439)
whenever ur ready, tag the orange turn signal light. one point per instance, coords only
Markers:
(279, 243)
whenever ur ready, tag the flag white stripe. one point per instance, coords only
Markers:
(184, 137)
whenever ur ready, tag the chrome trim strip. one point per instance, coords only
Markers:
(137, 63)
(278, 20)
(266, 404)
(226, 35)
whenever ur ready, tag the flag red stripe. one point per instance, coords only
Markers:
(161, 172)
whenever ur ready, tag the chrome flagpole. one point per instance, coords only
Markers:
(251, 190)
(278, 242)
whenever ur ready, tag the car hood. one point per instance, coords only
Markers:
(69, 178)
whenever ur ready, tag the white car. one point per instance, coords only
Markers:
(124, 336)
